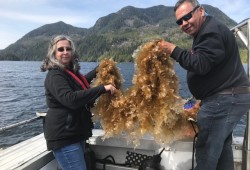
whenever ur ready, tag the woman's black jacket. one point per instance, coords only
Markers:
(68, 118)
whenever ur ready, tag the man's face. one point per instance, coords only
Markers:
(192, 19)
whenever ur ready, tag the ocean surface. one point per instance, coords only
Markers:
(22, 95)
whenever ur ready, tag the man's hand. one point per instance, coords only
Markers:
(166, 46)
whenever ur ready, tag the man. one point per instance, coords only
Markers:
(215, 75)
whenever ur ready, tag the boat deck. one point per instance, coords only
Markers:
(22, 153)
(32, 154)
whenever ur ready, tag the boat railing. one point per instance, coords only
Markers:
(242, 30)
(38, 116)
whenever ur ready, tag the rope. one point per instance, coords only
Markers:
(18, 124)
(193, 122)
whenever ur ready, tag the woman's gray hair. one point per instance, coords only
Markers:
(193, 2)
(50, 60)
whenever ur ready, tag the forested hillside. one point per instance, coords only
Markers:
(116, 35)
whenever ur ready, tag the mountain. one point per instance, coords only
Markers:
(33, 46)
(131, 17)
(116, 35)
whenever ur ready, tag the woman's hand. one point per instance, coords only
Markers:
(110, 88)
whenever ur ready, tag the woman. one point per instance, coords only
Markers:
(68, 124)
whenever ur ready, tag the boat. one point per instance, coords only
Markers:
(116, 154)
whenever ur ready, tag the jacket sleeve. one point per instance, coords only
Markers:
(207, 52)
(91, 75)
(62, 90)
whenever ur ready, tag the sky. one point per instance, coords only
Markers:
(19, 17)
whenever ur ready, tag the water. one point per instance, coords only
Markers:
(22, 95)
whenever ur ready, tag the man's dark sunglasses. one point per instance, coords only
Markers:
(186, 17)
(61, 49)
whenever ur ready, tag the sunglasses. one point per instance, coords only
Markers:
(186, 17)
(61, 49)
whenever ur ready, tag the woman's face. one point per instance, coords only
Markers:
(64, 52)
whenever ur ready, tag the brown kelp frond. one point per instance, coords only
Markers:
(151, 106)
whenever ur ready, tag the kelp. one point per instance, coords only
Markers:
(152, 105)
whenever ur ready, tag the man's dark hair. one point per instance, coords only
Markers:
(193, 2)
